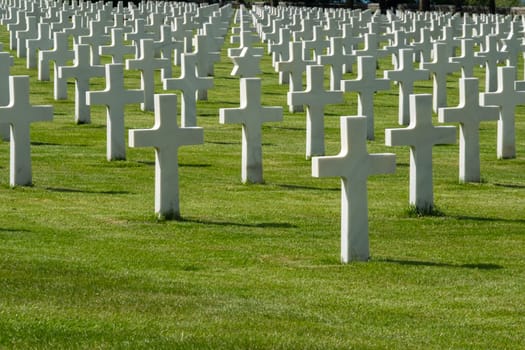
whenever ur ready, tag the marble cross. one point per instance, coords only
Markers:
(251, 115)
(19, 113)
(166, 137)
(421, 136)
(506, 97)
(82, 71)
(354, 165)
(439, 68)
(189, 83)
(118, 48)
(60, 55)
(469, 114)
(115, 97)
(406, 76)
(295, 66)
(147, 64)
(366, 85)
(315, 98)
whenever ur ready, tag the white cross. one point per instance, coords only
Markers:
(406, 75)
(354, 164)
(295, 66)
(439, 68)
(251, 115)
(117, 49)
(366, 84)
(20, 114)
(115, 97)
(507, 98)
(82, 71)
(189, 83)
(42, 42)
(147, 64)
(493, 56)
(421, 136)
(468, 58)
(315, 98)
(6, 61)
(469, 114)
(60, 55)
(338, 61)
(166, 137)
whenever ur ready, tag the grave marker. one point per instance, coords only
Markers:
(506, 98)
(82, 71)
(366, 84)
(439, 68)
(20, 114)
(147, 64)
(166, 137)
(406, 76)
(115, 97)
(469, 114)
(421, 136)
(251, 115)
(315, 98)
(354, 164)
(189, 83)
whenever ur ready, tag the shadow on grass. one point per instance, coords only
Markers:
(311, 188)
(223, 143)
(480, 266)
(37, 143)
(75, 190)
(509, 185)
(230, 223)
(14, 230)
(482, 218)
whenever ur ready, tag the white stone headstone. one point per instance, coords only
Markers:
(469, 114)
(366, 85)
(315, 98)
(60, 55)
(421, 136)
(506, 97)
(166, 137)
(118, 49)
(189, 83)
(406, 76)
(115, 97)
(20, 114)
(251, 115)
(147, 64)
(439, 68)
(295, 66)
(354, 165)
(6, 61)
(82, 71)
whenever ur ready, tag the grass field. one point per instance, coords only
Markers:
(84, 262)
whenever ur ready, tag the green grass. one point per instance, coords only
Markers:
(84, 262)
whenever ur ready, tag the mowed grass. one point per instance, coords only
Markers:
(84, 262)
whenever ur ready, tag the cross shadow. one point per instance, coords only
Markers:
(311, 188)
(509, 185)
(223, 143)
(480, 266)
(229, 223)
(14, 230)
(74, 190)
(489, 219)
(36, 143)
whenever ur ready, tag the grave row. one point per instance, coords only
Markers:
(305, 54)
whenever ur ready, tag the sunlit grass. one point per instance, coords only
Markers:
(84, 262)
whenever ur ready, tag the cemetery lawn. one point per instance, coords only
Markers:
(84, 262)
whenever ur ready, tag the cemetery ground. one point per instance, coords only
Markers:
(84, 263)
